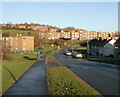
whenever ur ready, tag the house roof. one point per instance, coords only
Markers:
(104, 42)
(95, 42)
(117, 42)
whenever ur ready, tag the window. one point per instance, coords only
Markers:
(24, 38)
(24, 48)
(24, 43)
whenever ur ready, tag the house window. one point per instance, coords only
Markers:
(16, 48)
(24, 43)
(24, 38)
(116, 47)
(24, 49)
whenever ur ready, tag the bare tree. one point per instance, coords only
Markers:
(5, 49)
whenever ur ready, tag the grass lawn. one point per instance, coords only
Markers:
(47, 49)
(110, 61)
(12, 32)
(61, 81)
(49, 55)
(17, 65)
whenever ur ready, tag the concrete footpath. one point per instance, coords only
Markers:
(33, 82)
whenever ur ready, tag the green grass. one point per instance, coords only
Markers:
(47, 48)
(104, 60)
(73, 42)
(82, 48)
(12, 32)
(61, 81)
(17, 65)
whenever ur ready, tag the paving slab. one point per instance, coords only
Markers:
(33, 82)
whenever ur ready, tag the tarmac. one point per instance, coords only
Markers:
(33, 82)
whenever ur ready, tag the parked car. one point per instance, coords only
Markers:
(67, 52)
(77, 55)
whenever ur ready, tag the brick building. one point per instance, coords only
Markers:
(20, 43)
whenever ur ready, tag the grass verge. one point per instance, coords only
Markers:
(110, 61)
(17, 65)
(61, 81)
(49, 55)
(47, 49)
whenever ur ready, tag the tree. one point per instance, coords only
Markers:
(59, 42)
(29, 33)
(6, 34)
(83, 43)
(5, 49)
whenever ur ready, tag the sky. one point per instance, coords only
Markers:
(92, 16)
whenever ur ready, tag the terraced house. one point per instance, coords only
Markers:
(117, 48)
(20, 43)
(104, 47)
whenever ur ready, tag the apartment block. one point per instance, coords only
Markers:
(89, 35)
(20, 43)
(49, 35)
(65, 35)
(76, 35)
(53, 35)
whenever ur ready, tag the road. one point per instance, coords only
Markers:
(101, 76)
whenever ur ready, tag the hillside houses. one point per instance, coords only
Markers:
(104, 48)
(64, 33)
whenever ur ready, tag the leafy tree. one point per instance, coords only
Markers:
(83, 43)
(59, 42)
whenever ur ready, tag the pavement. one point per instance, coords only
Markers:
(101, 76)
(33, 82)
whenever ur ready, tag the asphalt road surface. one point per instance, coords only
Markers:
(101, 76)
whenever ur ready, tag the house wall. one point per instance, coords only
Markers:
(117, 52)
(101, 51)
(109, 48)
(93, 50)
(27, 43)
(20, 43)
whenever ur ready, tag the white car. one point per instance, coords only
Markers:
(68, 53)
(78, 55)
